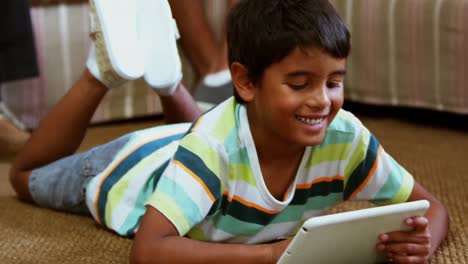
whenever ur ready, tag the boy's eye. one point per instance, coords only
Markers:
(297, 86)
(333, 84)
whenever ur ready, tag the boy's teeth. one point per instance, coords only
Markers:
(310, 121)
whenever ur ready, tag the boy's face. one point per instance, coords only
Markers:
(298, 98)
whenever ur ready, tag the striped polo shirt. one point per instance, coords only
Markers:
(206, 179)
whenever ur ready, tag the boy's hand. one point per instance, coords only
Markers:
(408, 246)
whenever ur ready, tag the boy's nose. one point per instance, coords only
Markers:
(319, 98)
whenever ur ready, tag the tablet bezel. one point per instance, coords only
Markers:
(349, 237)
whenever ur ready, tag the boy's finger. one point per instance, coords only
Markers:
(405, 237)
(411, 249)
(408, 259)
(419, 223)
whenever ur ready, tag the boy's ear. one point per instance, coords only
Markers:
(242, 82)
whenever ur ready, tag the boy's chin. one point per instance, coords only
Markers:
(312, 141)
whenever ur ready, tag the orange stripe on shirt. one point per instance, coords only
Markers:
(110, 170)
(369, 176)
(191, 173)
(197, 123)
(250, 204)
(319, 180)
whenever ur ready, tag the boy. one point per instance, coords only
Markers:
(247, 173)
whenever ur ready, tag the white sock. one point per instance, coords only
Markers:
(217, 79)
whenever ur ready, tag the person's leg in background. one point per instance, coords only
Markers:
(197, 39)
(17, 61)
(207, 55)
(12, 139)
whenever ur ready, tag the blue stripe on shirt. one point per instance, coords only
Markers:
(198, 166)
(127, 164)
(360, 174)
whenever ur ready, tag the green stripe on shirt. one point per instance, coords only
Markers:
(171, 209)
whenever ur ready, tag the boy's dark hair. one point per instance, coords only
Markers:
(263, 32)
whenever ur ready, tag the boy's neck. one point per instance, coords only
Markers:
(279, 163)
(278, 158)
(279, 170)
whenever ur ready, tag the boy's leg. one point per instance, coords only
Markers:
(110, 63)
(62, 184)
(62, 130)
(163, 70)
(60, 133)
(179, 107)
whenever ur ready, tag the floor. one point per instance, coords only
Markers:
(432, 150)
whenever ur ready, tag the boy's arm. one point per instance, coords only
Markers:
(157, 241)
(437, 215)
(419, 245)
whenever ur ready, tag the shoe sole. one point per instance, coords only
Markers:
(159, 33)
(115, 34)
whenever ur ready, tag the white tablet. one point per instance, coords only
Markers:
(349, 237)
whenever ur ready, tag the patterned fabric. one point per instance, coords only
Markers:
(210, 186)
(116, 196)
(408, 53)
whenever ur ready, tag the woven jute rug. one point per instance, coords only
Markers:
(434, 154)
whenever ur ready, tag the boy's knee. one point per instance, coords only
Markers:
(19, 180)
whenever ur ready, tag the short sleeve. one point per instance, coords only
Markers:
(189, 187)
(373, 175)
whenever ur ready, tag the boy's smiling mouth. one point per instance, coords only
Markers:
(310, 121)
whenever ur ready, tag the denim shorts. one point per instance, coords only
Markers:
(61, 185)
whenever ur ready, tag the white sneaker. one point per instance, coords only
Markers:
(158, 34)
(114, 56)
